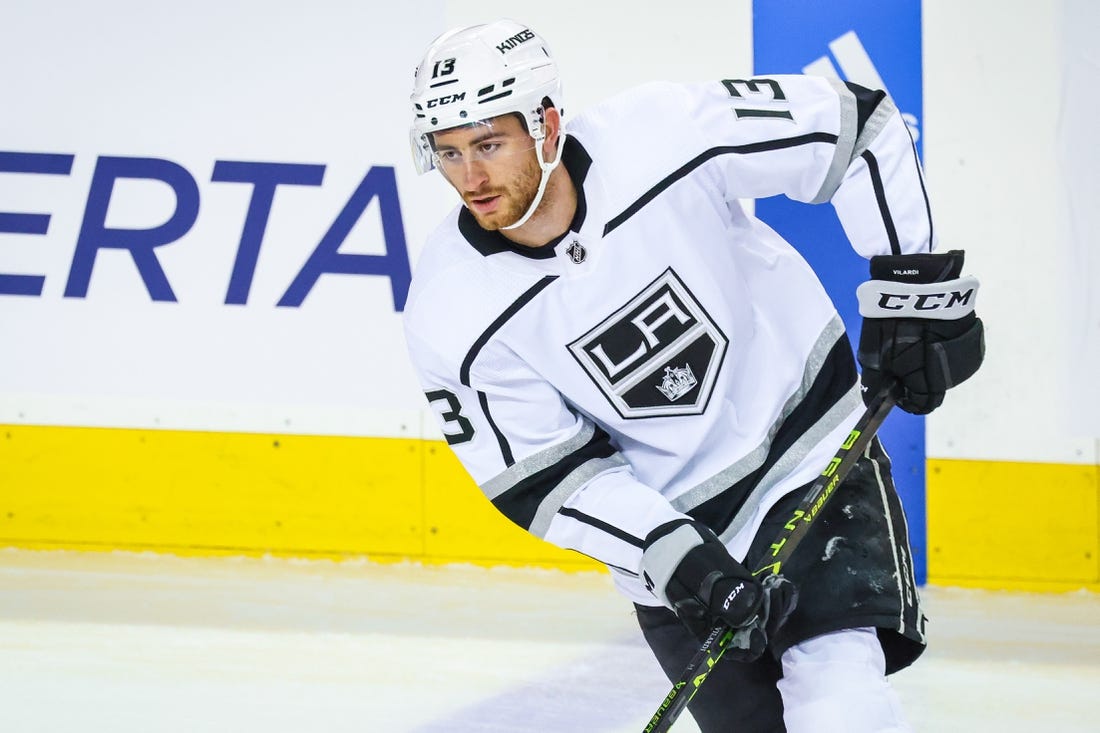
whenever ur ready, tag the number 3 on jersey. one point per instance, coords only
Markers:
(452, 414)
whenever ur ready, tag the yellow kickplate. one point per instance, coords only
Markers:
(1015, 526)
(203, 493)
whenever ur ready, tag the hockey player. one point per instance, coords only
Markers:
(633, 367)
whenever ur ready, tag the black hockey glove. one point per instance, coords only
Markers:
(688, 568)
(919, 327)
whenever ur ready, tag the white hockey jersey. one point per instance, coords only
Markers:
(670, 355)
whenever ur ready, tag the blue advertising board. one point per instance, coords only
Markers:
(876, 44)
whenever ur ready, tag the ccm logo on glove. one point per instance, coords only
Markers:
(919, 327)
(947, 301)
(689, 570)
(733, 594)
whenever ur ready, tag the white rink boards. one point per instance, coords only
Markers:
(123, 643)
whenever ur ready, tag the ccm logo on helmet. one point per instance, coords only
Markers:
(447, 99)
(925, 301)
(513, 41)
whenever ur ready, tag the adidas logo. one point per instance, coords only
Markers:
(857, 67)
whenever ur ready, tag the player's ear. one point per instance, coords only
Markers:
(552, 127)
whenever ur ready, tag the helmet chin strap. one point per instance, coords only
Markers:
(547, 169)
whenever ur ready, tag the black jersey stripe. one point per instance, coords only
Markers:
(479, 344)
(522, 501)
(880, 196)
(698, 160)
(502, 441)
(866, 102)
(924, 191)
(602, 526)
(755, 458)
(833, 382)
(498, 323)
(610, 566)
(536, 462)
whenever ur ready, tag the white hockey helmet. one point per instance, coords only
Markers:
(483, 71)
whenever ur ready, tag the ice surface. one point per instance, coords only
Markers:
(125, 643)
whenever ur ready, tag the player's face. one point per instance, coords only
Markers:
(493, 166)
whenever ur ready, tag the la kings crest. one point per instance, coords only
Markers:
(658, 355)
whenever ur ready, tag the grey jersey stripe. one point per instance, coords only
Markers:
(845, 144)
(722, 480)
(874, 125)
(576, 479)
(531, 465)
(849, 146)
(797, 452)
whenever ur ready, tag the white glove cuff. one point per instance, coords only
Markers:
(944, 301)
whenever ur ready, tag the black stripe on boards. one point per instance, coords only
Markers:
(698, 160)
(496, 325)
(505, 447)
(880, 196)
(602, 526)
(521, 502)
(837, 375)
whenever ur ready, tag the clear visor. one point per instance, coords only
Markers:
(485, 141)
(421, 151)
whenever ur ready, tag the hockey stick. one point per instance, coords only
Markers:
(791, 535)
